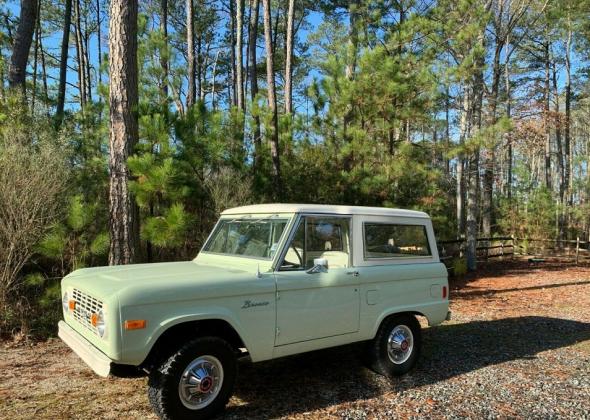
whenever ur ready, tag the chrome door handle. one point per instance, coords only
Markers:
(353, 273)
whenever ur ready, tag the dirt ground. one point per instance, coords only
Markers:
(518, 346)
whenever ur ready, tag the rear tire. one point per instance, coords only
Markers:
(396, 347)
(195, 382)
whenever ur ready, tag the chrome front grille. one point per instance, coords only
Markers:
(86, 305)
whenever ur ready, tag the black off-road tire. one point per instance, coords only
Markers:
(164, 379)
(377, 355)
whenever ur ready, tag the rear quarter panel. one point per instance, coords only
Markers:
(390, 289)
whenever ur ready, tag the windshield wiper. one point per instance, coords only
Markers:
(240, 218)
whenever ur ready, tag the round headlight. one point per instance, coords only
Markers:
(65, 302)
(100, 323)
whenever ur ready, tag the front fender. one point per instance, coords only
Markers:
(254, 325)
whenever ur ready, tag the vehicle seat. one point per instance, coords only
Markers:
(336, 259)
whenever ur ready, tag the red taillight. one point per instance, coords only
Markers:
(444, 292)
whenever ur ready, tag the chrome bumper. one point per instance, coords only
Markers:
(93, 357)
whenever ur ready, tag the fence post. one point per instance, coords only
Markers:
(502, 248)
(577, 250)
(513, 246)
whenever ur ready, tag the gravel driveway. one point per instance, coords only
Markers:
(518, 346)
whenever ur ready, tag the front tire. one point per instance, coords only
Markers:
(195, 382)
(396, 347)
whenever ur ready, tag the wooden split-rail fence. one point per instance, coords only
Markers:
(537, 249)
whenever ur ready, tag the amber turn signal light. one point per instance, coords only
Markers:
(94, 319)
(72, 304)
(135, 324)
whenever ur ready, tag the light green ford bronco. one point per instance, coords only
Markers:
(272, 280)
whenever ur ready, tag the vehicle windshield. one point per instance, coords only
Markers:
(247, 236)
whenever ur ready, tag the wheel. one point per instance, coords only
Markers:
(396, 347)
(195, 382)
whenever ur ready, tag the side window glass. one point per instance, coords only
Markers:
(319, 237)
(295, 255)
(383, 240)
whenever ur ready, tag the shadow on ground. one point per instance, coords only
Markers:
(476, 293)
(335, 376)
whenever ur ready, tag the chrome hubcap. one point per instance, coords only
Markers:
(400, 344)
(200, 382)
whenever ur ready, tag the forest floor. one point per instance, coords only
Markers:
(518, 346)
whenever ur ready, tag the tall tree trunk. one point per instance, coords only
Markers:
(79, 55)
(63, 64)
(17, 71)
(352, 39)
(190, 45)
(2, 92)
(239, 48)
(199, 60)
(508, 88)
(98, 43)
(99, 55)
(289, 59)
(86, 37)
(252, 38)
(546, 99)
(213, 76)
(36, 56)
(464, 130)
(164, 49)
(43, 70)
(489, 161)
(473, 167)
(123, 133)
(447, 131)
(351, 56)
(567, 125)
(558, 139)
(272, 103)
(232, 40)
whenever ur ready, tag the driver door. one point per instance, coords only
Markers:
(323, 303)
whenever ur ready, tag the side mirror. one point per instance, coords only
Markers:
(320, 265)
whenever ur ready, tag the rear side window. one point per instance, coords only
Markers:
(384, 240)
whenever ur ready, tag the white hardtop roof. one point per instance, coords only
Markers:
(323, 208)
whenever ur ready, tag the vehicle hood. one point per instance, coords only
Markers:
(158, 282)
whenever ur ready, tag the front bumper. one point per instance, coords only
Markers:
(93, 357)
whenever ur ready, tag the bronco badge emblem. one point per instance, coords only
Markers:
(249, 304)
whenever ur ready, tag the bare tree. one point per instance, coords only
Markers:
(273, 129)
(17, 70)
(228, 188)
(33, 178)
(123, 134)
